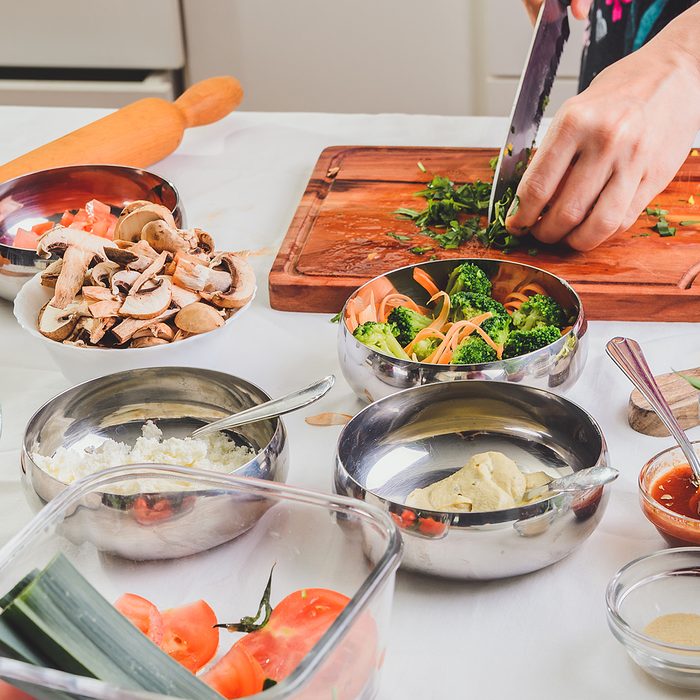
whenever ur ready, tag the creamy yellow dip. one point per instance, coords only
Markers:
(681, 629)
(489, 481)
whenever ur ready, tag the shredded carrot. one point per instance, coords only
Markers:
(566, 330)
(532, 288)
(394, 300)
(422, 335)
(425, 281)
(448, 346)
(444, 314)
(515, 296)
(369, 313)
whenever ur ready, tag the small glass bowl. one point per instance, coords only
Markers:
(658, 584)
(677, 530)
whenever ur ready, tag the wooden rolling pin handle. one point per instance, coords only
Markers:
(209, 100)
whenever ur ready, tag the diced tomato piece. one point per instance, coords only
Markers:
(236, 675)
(9, 692)
(99, 227)
(97, 209)
(81, 216)
(296, 624)
(142, 614)
(67, 218)
(43, 227)
(25, 239)
(189, 635)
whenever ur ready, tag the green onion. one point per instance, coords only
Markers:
(67, 624)
(421, 167)
(398, 236)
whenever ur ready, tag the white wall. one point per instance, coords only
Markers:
(414, 56)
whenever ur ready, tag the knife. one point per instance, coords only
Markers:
(548, 39)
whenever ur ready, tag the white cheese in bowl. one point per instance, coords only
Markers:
(215, 452)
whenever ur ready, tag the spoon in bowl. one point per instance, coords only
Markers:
(271, 409)
(581, 480)
(628, 356)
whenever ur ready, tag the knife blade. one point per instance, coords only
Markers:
(548, 40)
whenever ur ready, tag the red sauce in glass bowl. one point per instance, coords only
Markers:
(678, 491)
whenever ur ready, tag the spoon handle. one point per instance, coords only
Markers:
(582, 480)
(271, 409)
(628, 356)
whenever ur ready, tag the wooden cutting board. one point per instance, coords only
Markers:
(338, 237)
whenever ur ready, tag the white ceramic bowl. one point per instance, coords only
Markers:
(79, 364)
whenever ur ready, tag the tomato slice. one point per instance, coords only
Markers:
(296, 624)
(236, 675)
(25, 239)
(43, 227)
(189, 635)
(143, 614)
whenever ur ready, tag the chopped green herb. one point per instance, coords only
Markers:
(493, 162)
(689, 223)
(663, 229)
(250, 623)
(641, 235)
(433, 257)
(420, 249)
(398, 236)
(421, 167)
(693, 381)
(337, 317)
(655, 211)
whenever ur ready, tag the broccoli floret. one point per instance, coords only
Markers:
(425, 348)
(465, 305)
(521, 342)
(380, 336)
(539, 310)
(473, 350)
(468, 277)
(407, 323)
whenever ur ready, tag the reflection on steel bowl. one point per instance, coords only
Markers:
(374, 375)
(41, 196)
(421, 435)
(164, 524)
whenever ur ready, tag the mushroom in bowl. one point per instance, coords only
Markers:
(150, 287)
(462, 319)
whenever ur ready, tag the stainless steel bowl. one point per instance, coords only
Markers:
(45, 195)
(164, 524)
(423, 434)
(373, 375)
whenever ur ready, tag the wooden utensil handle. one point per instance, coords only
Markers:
(209, 100)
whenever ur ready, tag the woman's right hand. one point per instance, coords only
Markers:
(579, 8)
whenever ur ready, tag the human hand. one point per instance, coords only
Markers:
(611, 149)
(579, 8)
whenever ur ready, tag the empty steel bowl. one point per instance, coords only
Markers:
(421, 435)
(45, 195)
(373, 375)
(161, 524)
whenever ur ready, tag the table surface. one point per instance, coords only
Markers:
(539, 636)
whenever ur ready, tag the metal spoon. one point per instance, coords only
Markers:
(271, 409)
(581, 480)
(628, 356)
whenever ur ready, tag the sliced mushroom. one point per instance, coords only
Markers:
(150, 272)
(58, 324)
(105, 309)
(130, 224)
(121, 256)
(101, 274)
(160, 236)
(204, 241)
(157, 330)
(126, 329)
(242, 284)
(91, 330)
(198, 318)
(93, 293)
(51, 273)
(200, 278)
(78, 250)
(184, 297)
(148, 303)
(122, 281)
(147, 341)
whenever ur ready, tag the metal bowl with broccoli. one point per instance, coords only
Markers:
(462, 319)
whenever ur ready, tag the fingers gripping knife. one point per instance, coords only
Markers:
(548, 40)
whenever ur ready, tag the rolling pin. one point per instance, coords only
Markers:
(138, 135)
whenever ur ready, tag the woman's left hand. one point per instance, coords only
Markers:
(612, 148)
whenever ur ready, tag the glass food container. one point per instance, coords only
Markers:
(313, 540)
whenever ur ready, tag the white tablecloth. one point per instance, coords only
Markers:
(538, 636)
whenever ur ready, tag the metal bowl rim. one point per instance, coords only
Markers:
(86, 166)
(621, 624)
(26, 454)
(483, 366)
(504, 515)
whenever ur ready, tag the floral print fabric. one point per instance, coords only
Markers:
(618, 27)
